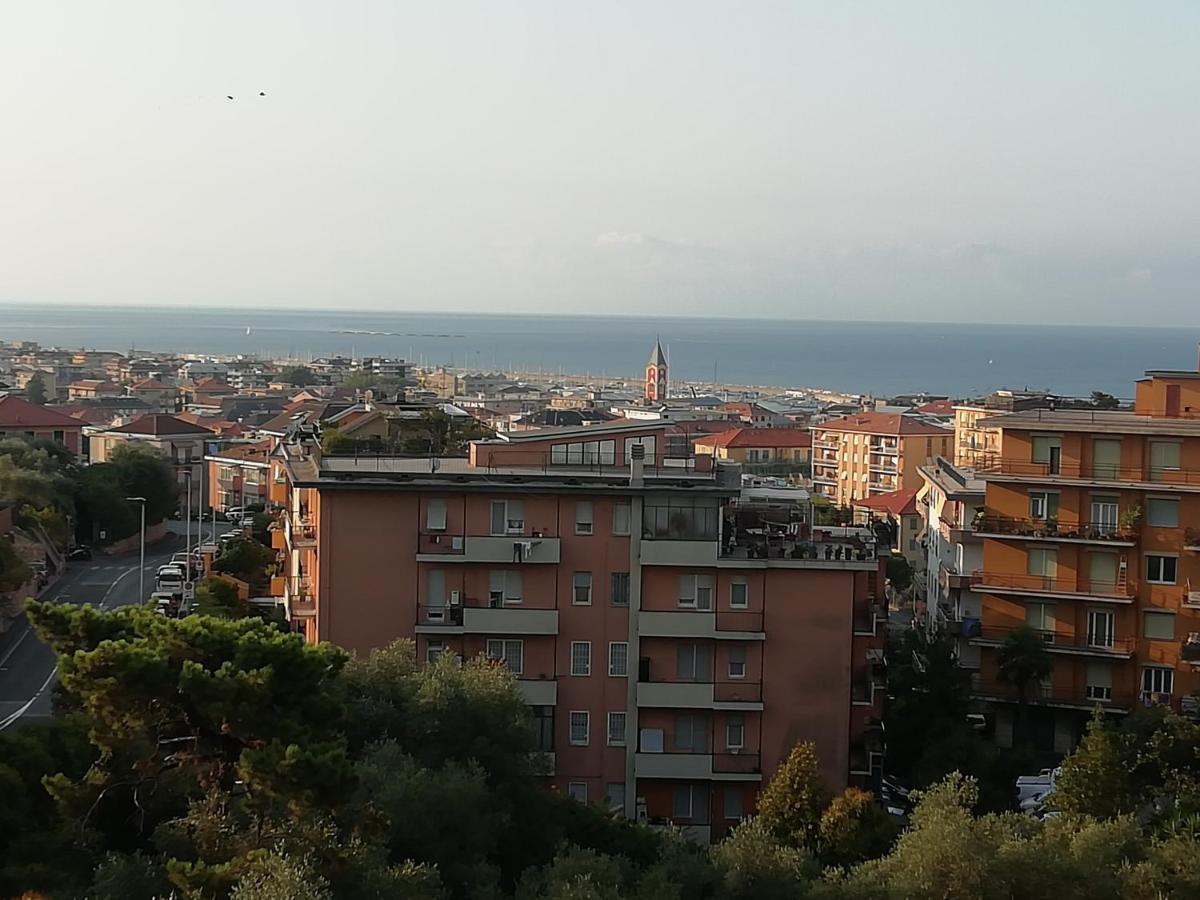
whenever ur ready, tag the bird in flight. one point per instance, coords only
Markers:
(228, 96)
(262, 93)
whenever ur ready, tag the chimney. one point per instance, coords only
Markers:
(637, 465)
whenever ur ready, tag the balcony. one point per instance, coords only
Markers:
(1049, 586)
(1011, 528)
(506, 549)
(1189, 648)
(726, 766)
(866, 620)
(299, 530)
(731, 695)
(539, 692)
(483, 620)
(1191, 597)
(298, 597)
(679, 553)
(1191, 539)
(736, 625)
(768, 535)
(1063, 472)
(949, 581)
(1060, 642)
(1054, 695)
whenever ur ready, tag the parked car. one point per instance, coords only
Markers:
(80, 553)
(166, 602)
(234, 513)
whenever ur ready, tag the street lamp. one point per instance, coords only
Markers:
(142, 555)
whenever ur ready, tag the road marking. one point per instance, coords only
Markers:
(20, 712)
(117, 581)
(13, 648)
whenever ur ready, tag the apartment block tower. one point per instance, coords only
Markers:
(1091, 534)
(673, 635)
(864, 455)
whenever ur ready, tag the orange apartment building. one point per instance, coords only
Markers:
(872, 453)
(1091, 528)
(672, 640)
(237, 476)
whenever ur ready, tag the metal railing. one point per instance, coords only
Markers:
(1053, 528)
(1100, 643)
(1094, 472)
(1104, 695)
(1047, 584)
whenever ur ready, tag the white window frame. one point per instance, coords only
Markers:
(577, 791)
(734, 672)
(510, 589)
(433, 651)
(735, 725)
(502, 650)
(574, 717)
(436, 514)
(1101, 628)
(695, 591)
(1161, 578)
(733, 790)
(585, 669)
(622, 516)
(612, 803)
(744, 602)
(514, 518)
(1154, 679)
(1040, 503)
(614, 717)
(615, 649)
(584, 517)
(576, 586)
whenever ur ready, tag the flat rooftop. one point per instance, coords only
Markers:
(1103, 420)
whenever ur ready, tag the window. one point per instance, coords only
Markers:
(1164, 457)
(618, 659)
(693, 662)
(620, 588)
(1162, 512)
(1102, 571)
(1158, 626)
(503, 587)
(435, 589)
(733, 802)
(581, 594)
(1099, 628)
(543, 725)
(1099, 681)
(687, 803)
(60, 437)
(680, 519)
(1157, 684)
(1106, 458)
(1160, 569)
(577, 791)
(1043, 504)
(435, 514)
(583, 517)
(1042, 561)
(1040, 616)
(739, 594)
(580, 723)
(584, 453)
(508, 517)
(737, 661)
(511, 653)
(614, 795)
(434, 651)
(616, 729)
(1105, 514)
(581, 657)
(735, 733)
(695, 591)
(650, 740)
(621, 517)
(1048, 452)
(691, 733)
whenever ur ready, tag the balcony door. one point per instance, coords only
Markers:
(1104, 513)
(1042, 564)
(1106, 458)
(1100, 628)
(1047, 452)
(1102, 571)
(1040, 617)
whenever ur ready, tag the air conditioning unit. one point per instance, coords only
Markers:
(456, 598)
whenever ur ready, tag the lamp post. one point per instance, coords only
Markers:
(142, 554)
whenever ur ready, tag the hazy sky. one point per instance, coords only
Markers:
(910, 160)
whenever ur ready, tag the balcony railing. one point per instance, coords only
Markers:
(1094, 472)
(1189, 648)
(1053, 529)
(1103, 695)
(1105, 644)
(1046, 584)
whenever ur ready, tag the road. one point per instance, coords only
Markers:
(27, 666)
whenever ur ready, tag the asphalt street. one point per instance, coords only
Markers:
(27, 666)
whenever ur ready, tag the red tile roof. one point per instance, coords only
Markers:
(898, 503)
(161, 425)
(87, 414)
(17, 413)
(758, 437)
(937, 408)
(883, 423)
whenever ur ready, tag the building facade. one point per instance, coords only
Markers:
(649, 611)
(1090, 536)
(182, 443)
(237, 476)
(863, 455)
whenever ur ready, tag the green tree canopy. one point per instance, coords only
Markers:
(1023, 662)
(791, 804)
(300, 376)
(35, 389)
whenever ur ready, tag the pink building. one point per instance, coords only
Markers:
(673, 637)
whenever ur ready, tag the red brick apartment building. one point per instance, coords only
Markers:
(673, 636)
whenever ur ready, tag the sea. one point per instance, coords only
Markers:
(880, 358)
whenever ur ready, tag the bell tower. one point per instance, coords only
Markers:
(656, 375)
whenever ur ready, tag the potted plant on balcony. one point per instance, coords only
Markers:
(1128, 522)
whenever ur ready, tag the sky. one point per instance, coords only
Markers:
(942, 161)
